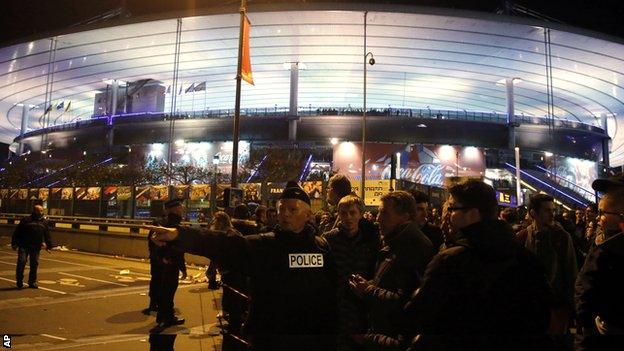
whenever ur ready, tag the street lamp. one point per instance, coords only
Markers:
(367, 61)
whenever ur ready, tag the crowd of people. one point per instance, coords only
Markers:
(471, 276)
(468, 277)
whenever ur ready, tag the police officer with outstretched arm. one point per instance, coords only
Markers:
(165, 263)
(292, 276)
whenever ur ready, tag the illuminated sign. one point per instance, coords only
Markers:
(506, 200)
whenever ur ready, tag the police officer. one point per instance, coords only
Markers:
(165, 263)
(31, 235)
(292, 276)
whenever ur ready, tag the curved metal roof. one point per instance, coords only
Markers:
(423, 60)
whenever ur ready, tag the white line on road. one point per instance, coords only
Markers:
(90, 266)
(41, 288)
(93, 279)
(53, 337)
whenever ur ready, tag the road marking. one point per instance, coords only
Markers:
(40, 288)
(86, 265)
(53, 337)
(10, 263)
(89, 278)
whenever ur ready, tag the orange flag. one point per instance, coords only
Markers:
(246, 64)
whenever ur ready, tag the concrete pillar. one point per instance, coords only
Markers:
(294, 88)
(24, 128)
(294, 104)
(511, 113)
(114, 91)
(605, 141)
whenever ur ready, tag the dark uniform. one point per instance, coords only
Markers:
(292, 282)
(165, 264)
(27, 238)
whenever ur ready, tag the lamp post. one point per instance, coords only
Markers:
(213, 191)
(370, 61)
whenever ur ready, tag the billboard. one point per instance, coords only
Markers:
(200, 154)
(419, 163)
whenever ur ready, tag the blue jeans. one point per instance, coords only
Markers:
(22, 256)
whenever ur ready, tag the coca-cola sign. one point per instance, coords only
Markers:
(418, 163)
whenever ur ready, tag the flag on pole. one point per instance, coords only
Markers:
(246, 62)
(60, 106)
(180, 92)
(68, 107)
(189, 89)
(47, 110)
(201, 86)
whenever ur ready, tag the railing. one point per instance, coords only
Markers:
(304, 111)
(570, 185)
(548, 186)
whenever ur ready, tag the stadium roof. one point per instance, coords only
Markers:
(425, 58)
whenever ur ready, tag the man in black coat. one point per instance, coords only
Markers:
(292, 276)
(165, 264)
(400, 266)
(485, 293)
(599, 285)
(432, 232)
(31, 235)
(355, 244)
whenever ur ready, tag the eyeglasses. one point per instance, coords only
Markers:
(459, 208)
(601, 213)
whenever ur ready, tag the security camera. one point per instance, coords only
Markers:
(371, 61)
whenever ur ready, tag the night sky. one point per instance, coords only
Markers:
(24, 18)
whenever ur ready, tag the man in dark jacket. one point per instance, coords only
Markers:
(485, 293)
(292, 276)
(400, 266)
(553, 246)
(338, 187)
(31, 235)
(166, 263)
(432, 232)
(599, 285)
(354, 244)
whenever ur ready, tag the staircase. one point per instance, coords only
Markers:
(540, 180)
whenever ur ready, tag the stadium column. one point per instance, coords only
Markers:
(511, 125)
(25, 117)
(605, 141)
(511, 117)
(294, 93)
(113, 112)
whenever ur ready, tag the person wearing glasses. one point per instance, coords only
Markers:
(599, 285)
(486, 292)
(554, 247)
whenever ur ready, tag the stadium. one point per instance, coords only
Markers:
(447, 94)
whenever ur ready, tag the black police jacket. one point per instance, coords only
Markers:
(31, 232)
(166, 255)
(292, 284)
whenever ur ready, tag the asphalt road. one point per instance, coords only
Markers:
(93, 302)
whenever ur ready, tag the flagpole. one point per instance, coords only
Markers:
(234, 179)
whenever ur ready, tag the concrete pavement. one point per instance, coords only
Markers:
(93, 302)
